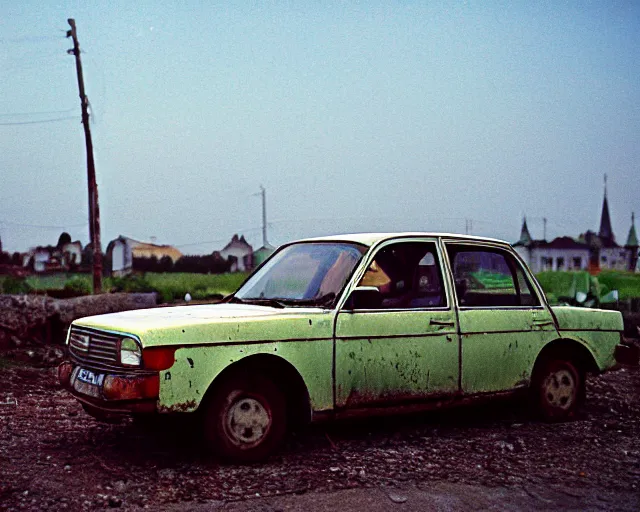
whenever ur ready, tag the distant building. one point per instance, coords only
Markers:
(589, 251)
(71, 254)
(54, 259)
(123, 250)
(240, 253)
(260, 255)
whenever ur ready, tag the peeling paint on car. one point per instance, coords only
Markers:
(355, 359)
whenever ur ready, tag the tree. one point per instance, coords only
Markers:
(65, 238)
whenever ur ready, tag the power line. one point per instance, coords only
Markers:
(47, 113)
(38, 226)
(28, 39)
(39, 122)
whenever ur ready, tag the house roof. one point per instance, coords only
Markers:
(149, 249)
(237, 241)
(156, 250)
(561, 242)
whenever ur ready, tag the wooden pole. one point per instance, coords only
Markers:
(94, 208)
(263, 192)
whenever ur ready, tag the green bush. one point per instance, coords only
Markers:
(15, 286)
(131, 284)
(78, 285)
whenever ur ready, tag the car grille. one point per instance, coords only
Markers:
(94, 349)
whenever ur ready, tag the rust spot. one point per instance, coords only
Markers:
(389, 398)
(182, 407)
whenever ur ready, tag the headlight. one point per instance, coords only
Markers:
(130, 352)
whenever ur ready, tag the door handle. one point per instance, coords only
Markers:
(441, 322)
(542, 322)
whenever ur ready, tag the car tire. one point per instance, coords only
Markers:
(245, 420)
(558, 389)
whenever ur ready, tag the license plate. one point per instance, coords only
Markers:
(88, 383)
(90, 378)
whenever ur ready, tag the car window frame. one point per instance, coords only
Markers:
(371, 255)
(510, 255)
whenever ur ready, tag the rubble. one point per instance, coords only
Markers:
(53, 455)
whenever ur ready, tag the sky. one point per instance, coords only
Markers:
(354, 116)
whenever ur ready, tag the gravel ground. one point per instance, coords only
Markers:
(491, 456)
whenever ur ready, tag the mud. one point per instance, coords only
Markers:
(492, 456)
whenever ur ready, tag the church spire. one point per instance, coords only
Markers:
(605, 220)
(525, 236)
(632, 239)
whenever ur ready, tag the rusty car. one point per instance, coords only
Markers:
(340, 326)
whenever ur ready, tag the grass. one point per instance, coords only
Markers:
(173, 286)
(627, 283)
(559, 284)
(170, 286)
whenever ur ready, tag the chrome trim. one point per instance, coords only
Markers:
(99, 350)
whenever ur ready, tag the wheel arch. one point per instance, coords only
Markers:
(571, 349)
(283, 374)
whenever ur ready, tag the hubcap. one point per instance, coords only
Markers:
(247, 421)
(559, 389)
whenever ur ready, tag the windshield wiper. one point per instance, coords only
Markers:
(261, 301)
(284, 302)
(324, 300)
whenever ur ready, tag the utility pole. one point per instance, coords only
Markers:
(94, 209)
(263, 193)
(544, 232)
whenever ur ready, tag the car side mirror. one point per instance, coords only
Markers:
(364, 297)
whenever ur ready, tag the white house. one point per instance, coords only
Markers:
(240, 253)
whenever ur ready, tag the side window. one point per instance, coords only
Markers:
(527, 295)
(408, 276)
(489, 278)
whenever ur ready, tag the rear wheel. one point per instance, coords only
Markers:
(245, 419)
(558, 389)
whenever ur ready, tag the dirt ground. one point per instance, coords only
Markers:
(492, 456)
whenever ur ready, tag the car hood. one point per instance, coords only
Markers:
(572, 318)
(214, 323)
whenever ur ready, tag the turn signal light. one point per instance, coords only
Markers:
(159, 358)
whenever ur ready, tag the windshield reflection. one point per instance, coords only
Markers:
(302, 274)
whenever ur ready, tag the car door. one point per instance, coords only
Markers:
(503, 321)
(405, 346)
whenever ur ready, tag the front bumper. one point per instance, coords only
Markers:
(112, 393)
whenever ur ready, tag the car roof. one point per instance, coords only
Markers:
(370, 239)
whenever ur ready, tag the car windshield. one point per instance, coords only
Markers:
(302, 274)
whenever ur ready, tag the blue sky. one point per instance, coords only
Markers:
(354, 116)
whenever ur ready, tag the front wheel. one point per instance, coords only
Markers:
(558, 389)
(246, 418)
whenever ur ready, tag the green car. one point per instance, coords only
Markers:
(340, 326)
